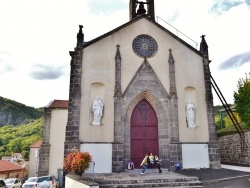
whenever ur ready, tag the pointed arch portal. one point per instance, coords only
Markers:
(144, 132)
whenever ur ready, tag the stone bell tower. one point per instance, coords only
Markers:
(137, 8)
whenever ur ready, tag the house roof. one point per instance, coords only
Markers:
(135, 20)
(36, 144)
(6, 166)
(58, 104)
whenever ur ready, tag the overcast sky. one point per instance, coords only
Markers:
(37, 35)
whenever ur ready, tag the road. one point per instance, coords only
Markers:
(233, 183)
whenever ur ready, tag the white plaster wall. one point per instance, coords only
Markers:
(71, 183)
(101, 155)
(57, 137)
(33, 161)
(195, 156)
(99, 66)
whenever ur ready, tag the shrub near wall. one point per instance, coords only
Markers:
(230, 150)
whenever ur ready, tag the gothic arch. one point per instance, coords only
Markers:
(162, 109)
(144, 95)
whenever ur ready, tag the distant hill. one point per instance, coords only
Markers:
(15, 113)
(17, 139)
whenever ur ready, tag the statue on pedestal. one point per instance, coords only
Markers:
(97, 109)
(190, 114)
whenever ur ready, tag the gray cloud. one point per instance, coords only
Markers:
(45, 72)
(107, 6)
(223, 6)
(236, 61)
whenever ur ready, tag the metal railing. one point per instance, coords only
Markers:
(178, 33)
(93, 172)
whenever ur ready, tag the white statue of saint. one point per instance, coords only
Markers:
(97, 109)
(190, 114)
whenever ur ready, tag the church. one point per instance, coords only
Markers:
(135, 90)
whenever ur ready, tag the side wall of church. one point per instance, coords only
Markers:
(98, 79)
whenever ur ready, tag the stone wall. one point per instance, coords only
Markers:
(231, 152)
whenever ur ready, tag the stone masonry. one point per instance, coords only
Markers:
(231, 151)
(43, 168)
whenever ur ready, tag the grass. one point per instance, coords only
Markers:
(232, 130)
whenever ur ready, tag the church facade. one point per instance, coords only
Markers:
(140, 89)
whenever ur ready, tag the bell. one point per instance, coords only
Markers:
(141, 9)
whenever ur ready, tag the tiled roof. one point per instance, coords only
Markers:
(36, 144)
(58, 104)
(8, 166)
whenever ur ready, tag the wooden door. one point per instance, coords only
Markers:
(144, 132)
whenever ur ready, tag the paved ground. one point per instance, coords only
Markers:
(232, 183)
(209, 175)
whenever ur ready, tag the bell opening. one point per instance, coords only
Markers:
(141, 9)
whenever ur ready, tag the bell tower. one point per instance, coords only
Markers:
(137, 8)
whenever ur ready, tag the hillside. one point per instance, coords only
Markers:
(17, 139)
(15, 113)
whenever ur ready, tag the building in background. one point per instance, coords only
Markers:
(10, 170)
(52, 147)
(34, 158)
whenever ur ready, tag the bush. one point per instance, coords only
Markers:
(76, 162)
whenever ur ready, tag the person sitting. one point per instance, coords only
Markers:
(151, 160)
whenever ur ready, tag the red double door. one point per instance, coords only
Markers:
(144, 132)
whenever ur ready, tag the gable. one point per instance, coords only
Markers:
(134, 21)
(98, 58)
(145, 79)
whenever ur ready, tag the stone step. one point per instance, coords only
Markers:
(186, 182)
(152, 178)
(152, 181)
(151, 185)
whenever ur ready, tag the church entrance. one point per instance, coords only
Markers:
(144, 132)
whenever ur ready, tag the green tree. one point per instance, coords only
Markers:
(17, 139)
(242, 99)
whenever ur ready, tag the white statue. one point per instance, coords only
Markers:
(190, 114)
(97, 110)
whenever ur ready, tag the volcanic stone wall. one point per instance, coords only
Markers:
(232, 152)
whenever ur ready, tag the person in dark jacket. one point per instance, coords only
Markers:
(158, 162)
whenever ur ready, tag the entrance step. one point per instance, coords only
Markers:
(152, 183)
(152, 178)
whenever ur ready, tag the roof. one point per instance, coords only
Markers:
(36, 144)
(58, 104)
(135, 20)
(8, 166)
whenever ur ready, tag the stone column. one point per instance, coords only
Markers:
(118, 146)
(213, 145)
(73, 122)
(43, 168)
(175, 146)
